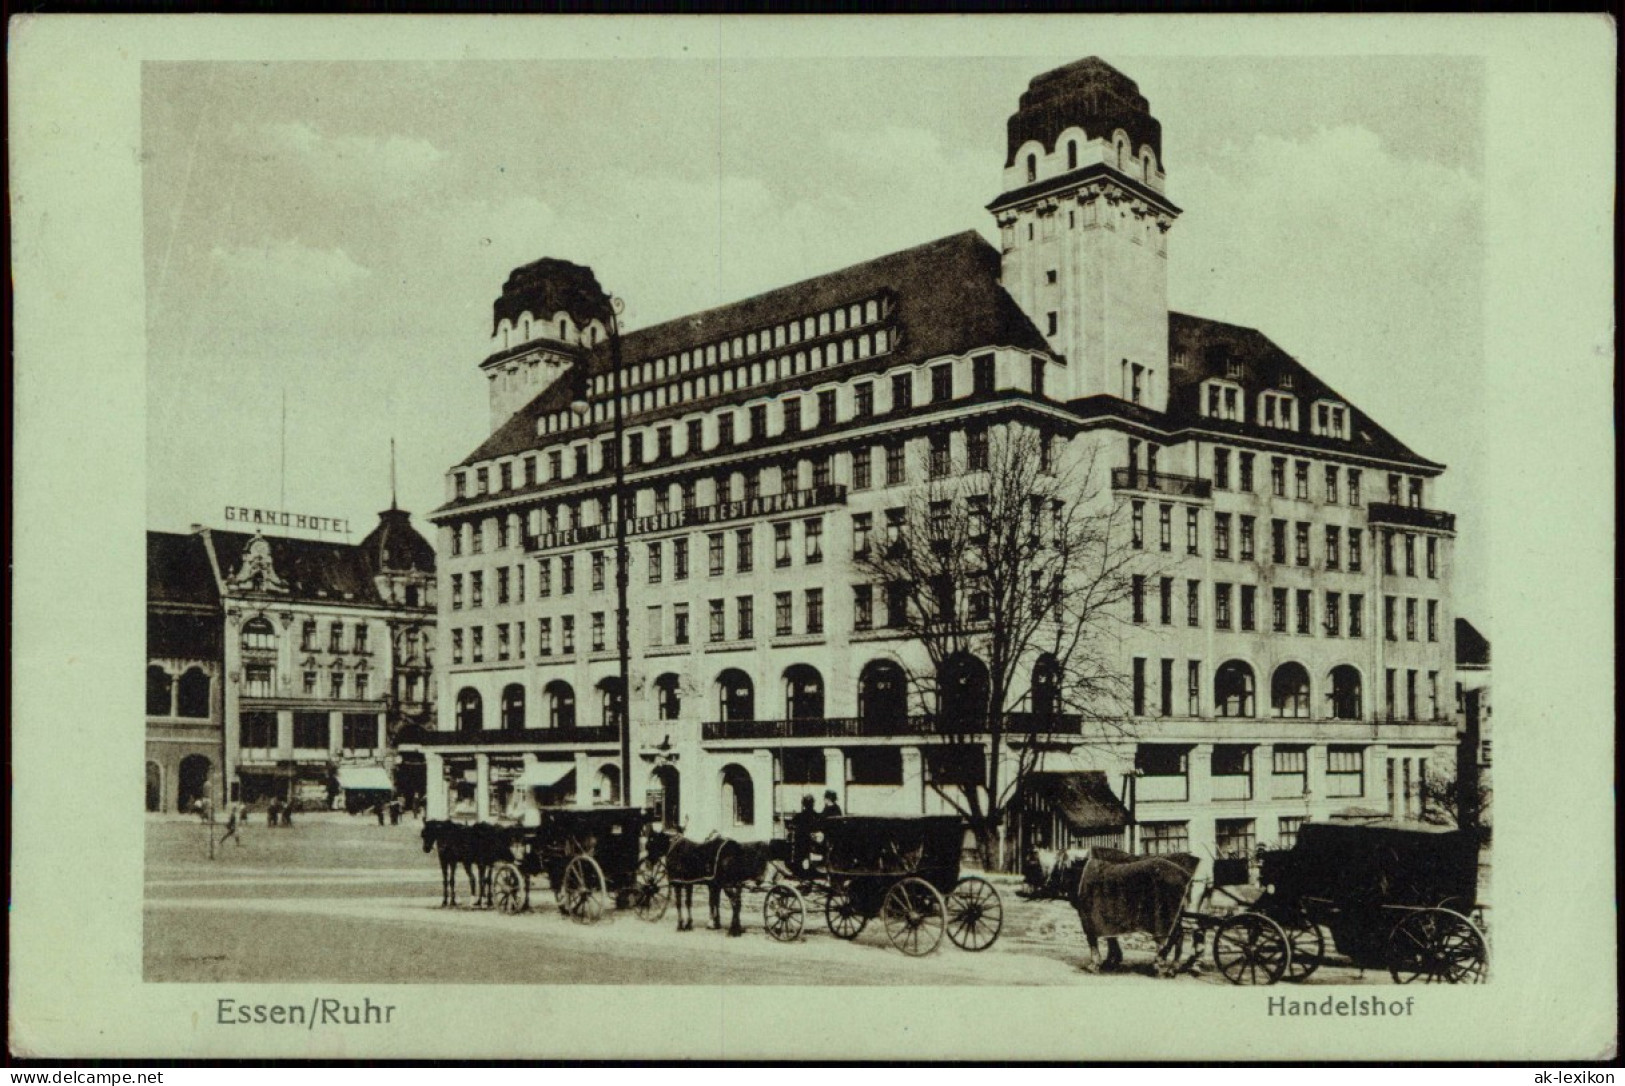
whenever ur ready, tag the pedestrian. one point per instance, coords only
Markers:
(831, 808)
(273, 813)
(378, 809)
(287, 814)
(231, 827)
(395, 812)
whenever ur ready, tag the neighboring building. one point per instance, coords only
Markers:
(1286, 657)
(326, 649)
(185, 740)
(1473, 700)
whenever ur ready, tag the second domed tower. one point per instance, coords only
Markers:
(551, 312)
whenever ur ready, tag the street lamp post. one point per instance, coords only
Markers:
(581, 406)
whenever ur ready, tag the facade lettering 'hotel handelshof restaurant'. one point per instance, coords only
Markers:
(1289, 661)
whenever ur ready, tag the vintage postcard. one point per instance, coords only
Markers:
(740, 528)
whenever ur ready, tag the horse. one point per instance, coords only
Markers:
(1116, 893)
(724, 865)
(477, 848)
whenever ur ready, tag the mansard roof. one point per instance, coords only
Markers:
(394, 546)
(178, 571)
(1472, 647)
(313, 570)
(1199, 348)
(947, 297)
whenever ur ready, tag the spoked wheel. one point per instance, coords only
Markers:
(651, 893)
(1437, 946)
(915, 917)
(784, 913)
(975, 914)
(1250, 948)
(584, 894)
(508, 888)
(842, 915)
(1308, 946)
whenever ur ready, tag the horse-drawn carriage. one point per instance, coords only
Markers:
(1395, 896)
(591, 858)
(905, 871)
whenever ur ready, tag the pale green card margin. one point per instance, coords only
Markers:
(76, 986)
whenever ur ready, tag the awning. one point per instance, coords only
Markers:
(545, 775)
(365, 778)
(1083, 797)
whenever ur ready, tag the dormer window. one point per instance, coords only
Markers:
(1278, 410)
(1222, 401)
(1331, 420)
(1232, 368)
(1284, 381)
(1032, 167)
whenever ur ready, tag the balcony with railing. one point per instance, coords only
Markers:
(766, 505)
(1161, 482)
(517, 737)
(1410, 516)
(884, 727)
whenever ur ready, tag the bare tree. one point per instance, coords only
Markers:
(1011, 570)
(1445, 802)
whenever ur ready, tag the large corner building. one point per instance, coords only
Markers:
(1290, 658)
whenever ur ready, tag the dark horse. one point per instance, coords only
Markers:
(724, 865)
(1116, 893)
(477, 848)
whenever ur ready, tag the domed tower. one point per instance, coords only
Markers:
(1083, 223)
(550, 313)
(402, 560)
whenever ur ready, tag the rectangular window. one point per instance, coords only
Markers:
(1433, 620)
(1432, 556)
(1038, 376)
(1233, 838)
(1164, 838)
(504, 641)
(360, 731)
(456, 646)
(1354, 550)
(1137, 597)
(902, 391)
(656, 550)
(976, 449)
(1221, 469)
(894, 464)
(476, 591)
(567, 574)
(781, 614)
(745, 616)
(695, 436)
(1410, 694)
(1166, 601)
(896, 604)
(544, 637)
(1278, 476)
(982, 374)
(1165, 527)
(1301, 538)
(654, 626)
(1139, 686)
(1166, 688)
(1331, 484)
(1221, 535)
(1193, 688)
(1289, 761)
(1410, 618)
(1334, 536)
(1306, 610)
(1410, 554)
(1221, 606)
(257, 681)
(310, 684)
(1249, 607)
(598, 558)
(679, 559)
(863, 606)
(826, 407)
(812, 531)
(716, 554)
(1137, 525)
(758, 422)
(1300, 474)
(862, 465)
(456, 605)
(1193, 526)
(519, 628)
(1278, 541)
(1390, 609)
(476, 653)
(753, 484)
(1334, 614)
(519, 584)
(1356, 615)
(1193, 603)
(482, 481)
(310, 730)
(744, 551)
(815, 610)
(503, 531)
(942, 382)
(1278, 609)
(820, 466)
(679, 624)
(863, 394)
(335, 633)
(781, 544)
(460, 481)
(1245, 471)
(719, 621)
(1248, 537)
(1287, 830)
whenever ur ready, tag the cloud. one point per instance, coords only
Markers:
(386, 166)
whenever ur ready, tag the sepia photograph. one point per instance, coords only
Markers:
(640, 516)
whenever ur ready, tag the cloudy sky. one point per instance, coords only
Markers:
(336, 233)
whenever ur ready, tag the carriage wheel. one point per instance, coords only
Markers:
(1308, 946)
(1437, 946)
(784, 913)
(584, 894)
(651, 893)
(915, 917)
(975, 914)
(1250, 948)
(508, 888)
(842, 915)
